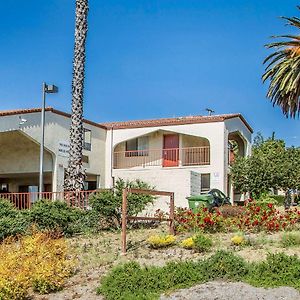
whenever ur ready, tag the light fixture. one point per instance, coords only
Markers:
(47, 89)
(22, 121)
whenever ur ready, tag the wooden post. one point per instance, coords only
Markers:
(124, 220)
(172, 208)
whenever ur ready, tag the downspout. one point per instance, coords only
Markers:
(112, 155)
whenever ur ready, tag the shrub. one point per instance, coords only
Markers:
(7, 209)
(202, 243)
(37, 262)
(161, 241)
(279, 199)
(290, 239)
(256, 216)
(109, 203)
(224, 264)
(13, 225)
(57, 216)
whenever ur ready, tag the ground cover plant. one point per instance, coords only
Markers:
(290, 239)
(37, 261)
(132, 281)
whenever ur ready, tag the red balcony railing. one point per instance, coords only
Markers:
(25, 200)
(192, 156)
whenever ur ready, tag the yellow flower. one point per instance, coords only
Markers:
(160, 241)
(238, 240)
(188, 243)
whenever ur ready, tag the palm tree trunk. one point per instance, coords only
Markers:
(75, 173)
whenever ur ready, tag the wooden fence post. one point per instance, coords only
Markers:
(172, 208)
(124, 220)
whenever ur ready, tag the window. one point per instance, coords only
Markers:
(205, 183)
(137, 147)
(87, 139)
(85, 159)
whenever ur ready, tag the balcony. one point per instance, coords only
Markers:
(176, 157)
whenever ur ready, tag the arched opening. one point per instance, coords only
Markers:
(236, 146)
(162, 148)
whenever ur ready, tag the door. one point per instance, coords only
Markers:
(171, 150)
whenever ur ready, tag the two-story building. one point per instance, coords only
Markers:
(186, 155)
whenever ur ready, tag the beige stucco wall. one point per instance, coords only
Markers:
(57, 130)
(177, 179)
(19, 154)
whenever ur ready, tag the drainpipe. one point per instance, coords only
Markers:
(112, 154)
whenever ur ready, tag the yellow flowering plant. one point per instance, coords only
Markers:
(238, 240)
(188, 243)
(161, 241)
(38, 262)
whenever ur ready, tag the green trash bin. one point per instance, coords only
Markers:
(197, 201)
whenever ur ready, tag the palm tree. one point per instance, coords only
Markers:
(75, 173)
(283, 71)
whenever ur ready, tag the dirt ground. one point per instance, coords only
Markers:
(96, 254)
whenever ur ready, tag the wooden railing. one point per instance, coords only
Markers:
(25, 200)
(192, 156)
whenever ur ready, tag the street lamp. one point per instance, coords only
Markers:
(47, 89)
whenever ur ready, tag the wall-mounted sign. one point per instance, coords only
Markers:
(195, 183)
(63, 148)
(215, 181)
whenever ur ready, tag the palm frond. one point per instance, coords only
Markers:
(283, 71)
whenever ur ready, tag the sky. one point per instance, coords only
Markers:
(147, 59)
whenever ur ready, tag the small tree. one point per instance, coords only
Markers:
(271, 166)
(109, 203)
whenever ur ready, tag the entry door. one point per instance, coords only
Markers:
(171, 150)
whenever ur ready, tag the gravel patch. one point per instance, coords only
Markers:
(220, 290)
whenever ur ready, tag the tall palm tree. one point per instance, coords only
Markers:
(75, 173)
(283, 71)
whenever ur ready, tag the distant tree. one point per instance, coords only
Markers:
(283, 71)
(75, 173)
(270, 166)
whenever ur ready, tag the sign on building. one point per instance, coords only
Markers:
(63, 148)
(195, 183)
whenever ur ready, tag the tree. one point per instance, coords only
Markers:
(75, 173)
(271, 166)
(283, 71)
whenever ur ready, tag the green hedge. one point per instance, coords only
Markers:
(46, 215)
(131, 281)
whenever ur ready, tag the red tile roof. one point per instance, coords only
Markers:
(51, 109)
(175, 121)
(138, 123)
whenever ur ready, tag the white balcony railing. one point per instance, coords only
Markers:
(192, 156)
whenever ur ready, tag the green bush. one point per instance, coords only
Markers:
(7, 209)
(225, 264)
(202, 243)
(57, 216)
(109, 203)
(13, 225)
(290, 239)
(279, 199)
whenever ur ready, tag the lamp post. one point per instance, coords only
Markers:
(47, 89)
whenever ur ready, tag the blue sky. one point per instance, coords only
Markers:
(147, 59)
